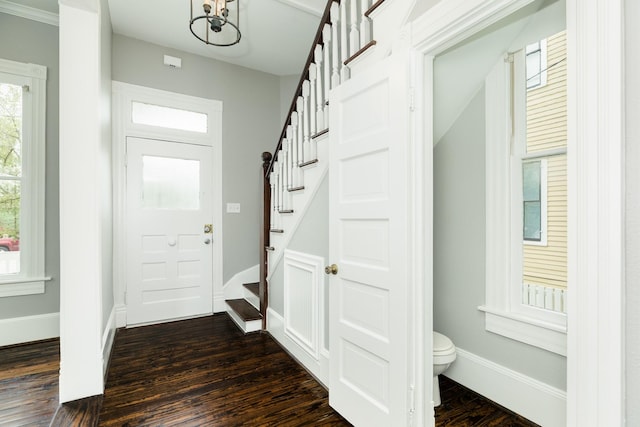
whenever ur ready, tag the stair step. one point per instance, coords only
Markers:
(373, 7)
(322, 132)
(291, 190)
(254, 288)
(244, 309)
(285, 211)
(310, 162)
(276, 230)
(366, 47)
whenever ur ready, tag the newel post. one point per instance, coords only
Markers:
(265, 220)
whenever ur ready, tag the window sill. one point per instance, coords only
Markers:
(22, 286)
(525, 329)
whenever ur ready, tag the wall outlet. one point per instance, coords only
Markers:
(233, 207)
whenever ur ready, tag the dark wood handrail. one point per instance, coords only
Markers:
(326, 18)
(263, 288)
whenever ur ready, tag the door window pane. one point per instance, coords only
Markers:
(169, 183)
(166, 117)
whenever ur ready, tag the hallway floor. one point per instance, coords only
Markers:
(198, 372)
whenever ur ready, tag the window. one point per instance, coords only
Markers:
(167, 117)
(526, 196)
(22, 134)
(536, 64)
(534, 191)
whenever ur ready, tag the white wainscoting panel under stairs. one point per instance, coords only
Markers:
(301, 330)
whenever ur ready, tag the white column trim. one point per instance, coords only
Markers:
(596, 200)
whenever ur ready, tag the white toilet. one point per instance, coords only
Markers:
(444, 353)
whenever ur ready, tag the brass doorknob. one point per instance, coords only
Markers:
(331, 269)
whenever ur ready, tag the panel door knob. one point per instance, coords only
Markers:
(331, 269)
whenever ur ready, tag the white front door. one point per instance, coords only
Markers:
(169, 248)
(369, 303)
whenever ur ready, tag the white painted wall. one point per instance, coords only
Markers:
(632, 89)
(85, 239)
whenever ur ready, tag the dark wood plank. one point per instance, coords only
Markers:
(362, 50)
(206, 372)
(463, 407)
(83, 412)
(254, 288)
(373, 7)
(244, 309)
(29, 383)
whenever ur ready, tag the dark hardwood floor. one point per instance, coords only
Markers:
(29, 383)
(199, 372)
(205, 372)
(462, 407)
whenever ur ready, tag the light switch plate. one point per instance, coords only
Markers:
(233, 207)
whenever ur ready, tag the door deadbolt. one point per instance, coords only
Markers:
(331, 269)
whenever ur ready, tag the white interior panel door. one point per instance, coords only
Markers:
(368, 242)
(169, 251)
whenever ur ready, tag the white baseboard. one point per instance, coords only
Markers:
(533, 399)
(121, 316)
(29, 328)
(318, 368)
(107, 341)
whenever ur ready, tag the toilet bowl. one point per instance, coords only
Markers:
(444, 353)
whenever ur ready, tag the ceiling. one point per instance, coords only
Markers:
(276, 34)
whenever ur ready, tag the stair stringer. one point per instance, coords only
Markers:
(301, 200)
(233, 288)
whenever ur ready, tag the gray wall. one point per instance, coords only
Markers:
(288, 85)
(251, 125)
(632, 261)
(311, 237)
(106, 166)
(25, 40)
(459, 252)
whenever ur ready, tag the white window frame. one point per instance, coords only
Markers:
(505, 137)
(543, 198)
(543, 63)
(31, 279)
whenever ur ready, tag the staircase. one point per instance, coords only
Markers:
(343, 44)
(245, 312)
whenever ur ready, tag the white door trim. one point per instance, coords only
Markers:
(123, 127)
(595, 94)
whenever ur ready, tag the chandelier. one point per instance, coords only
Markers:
(219, 25)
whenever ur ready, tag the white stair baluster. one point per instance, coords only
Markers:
(313, 75)
(294, 149)
(344, 42)
(272, 183)
(354, 33)
(306, 127)
(335, 45)
(326, 37)
(365, 24)
(317, 54)
(283, 189)
(285, 173)
(290, 155)
(300, 140)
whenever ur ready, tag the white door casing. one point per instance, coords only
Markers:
(369, 295)
(169, 253)
(124, 96)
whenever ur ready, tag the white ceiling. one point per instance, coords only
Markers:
(276, 34)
